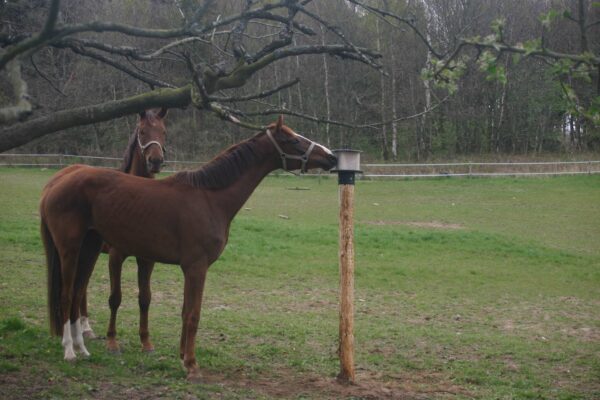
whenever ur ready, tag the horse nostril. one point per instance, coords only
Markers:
(155, 163)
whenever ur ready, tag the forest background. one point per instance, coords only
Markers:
(457, 79)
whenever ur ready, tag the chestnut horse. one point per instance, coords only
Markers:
(183, 219)
(144, 156)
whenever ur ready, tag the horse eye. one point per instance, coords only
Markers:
(295, 141)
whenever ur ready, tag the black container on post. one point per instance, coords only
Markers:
(348, 165)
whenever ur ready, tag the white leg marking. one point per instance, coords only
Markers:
(76, 334)
(88, 332)
(67, 342)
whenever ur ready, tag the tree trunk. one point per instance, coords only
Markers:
(384, 144)
(426, 83)
(394, 110)
(298, 87)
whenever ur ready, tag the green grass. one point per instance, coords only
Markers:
(504, 307)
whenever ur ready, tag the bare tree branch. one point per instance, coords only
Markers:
(587, 58)
(260, 95)
(243, 72)
(285, 37)
(44, 77)
(261, 13)
(407, 117)
(199, 13)
(82, 51)
(25, 132)
(282, 110)
(35, 42)
(356, 50)
(408, 21)
(237, 34)
(52, 16)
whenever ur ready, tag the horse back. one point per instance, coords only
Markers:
(68, 191)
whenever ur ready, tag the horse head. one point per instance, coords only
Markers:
(298, 152)
(151, 138)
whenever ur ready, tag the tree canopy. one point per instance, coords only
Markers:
(405, 79)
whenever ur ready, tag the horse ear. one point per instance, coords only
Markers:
(163, 112)
(142, 114)
(279, 123)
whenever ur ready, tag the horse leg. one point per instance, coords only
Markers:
(115, 266)
(88, 255)
(145, 268)
(182, 340)
(68, 261)
(67, 245)
(195, 276)
(63, 235)
(88, 332)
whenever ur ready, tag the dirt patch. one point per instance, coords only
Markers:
(417, 224)
(280, 384)
(508, 325)
(12, 385)
(584, 334)
(287, 384)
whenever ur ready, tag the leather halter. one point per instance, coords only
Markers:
(285, 156)
(143, 147)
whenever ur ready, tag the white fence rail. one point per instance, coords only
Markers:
(481, 169)
(63, 160)
(415, 170)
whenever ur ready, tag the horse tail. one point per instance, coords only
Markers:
(54, 281)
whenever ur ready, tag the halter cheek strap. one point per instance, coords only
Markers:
(143, 147)
(285, 156)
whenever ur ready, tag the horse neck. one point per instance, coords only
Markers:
(233, 197)
(138, 165)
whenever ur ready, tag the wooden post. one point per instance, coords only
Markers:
(346, 255)
(348, 164)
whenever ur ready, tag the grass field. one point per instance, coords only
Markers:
(465, 288)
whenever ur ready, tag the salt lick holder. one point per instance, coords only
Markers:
(347, 166)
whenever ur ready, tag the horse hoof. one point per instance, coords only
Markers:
(82, 351)
(113, 347)
(194, 376)
(147, 347)
(89, 334)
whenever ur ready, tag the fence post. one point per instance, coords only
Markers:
(347, 166)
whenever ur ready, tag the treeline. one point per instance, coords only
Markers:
(511, 105)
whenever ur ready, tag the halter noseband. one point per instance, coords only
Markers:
(285, 156)
(143, 147)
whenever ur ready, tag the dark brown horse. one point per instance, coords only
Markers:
(144, 157)
(183, 219)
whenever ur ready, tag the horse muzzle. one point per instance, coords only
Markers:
(154, 164)
(330, 162)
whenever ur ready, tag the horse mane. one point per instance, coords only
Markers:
(224, 169)
(129, 152)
